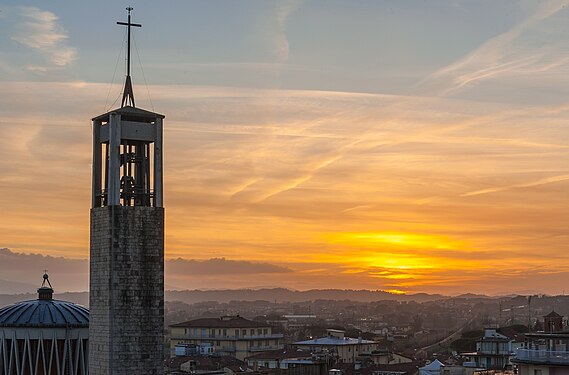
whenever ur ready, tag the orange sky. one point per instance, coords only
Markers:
(344, 190)
(456, 184)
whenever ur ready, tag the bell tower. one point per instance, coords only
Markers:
(127, 239)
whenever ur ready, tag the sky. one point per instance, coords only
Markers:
(409, 146)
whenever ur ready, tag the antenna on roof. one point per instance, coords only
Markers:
(128, 93)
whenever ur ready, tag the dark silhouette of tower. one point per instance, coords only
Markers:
(127, 240)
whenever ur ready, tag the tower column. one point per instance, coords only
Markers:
(97, 165)
(158, 162)
(126, 299)
(114, 159)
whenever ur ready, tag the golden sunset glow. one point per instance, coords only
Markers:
(301, 154)
(397, 239)
(395, 291)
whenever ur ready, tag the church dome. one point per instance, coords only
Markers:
(44, 312)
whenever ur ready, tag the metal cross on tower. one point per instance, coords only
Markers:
(128, 94)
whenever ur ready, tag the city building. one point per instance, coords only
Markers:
(127, 240)
(346, 349)
(434, 368)
(493, 351)
(284, 359)
(411, 368)
(545, 353)
(200, 365)
(296, 321)
(228, 335)
(383, 357)
(44, 336)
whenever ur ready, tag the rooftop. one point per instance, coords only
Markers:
(222, 322)
(130, 113)
(553, 314)
(44, 312)
(333, 341)
(281, 354)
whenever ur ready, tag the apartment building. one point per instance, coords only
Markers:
(227, 335)
(547, 352)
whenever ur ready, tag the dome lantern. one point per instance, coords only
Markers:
(45, 292)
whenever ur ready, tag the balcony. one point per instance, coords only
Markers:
(551, 357)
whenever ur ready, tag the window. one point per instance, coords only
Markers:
(537, 372)
(252, 332)
(244, 332)
(265, 331)
(236, 333)
(224, 332)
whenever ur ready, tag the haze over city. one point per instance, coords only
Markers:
(417, 146)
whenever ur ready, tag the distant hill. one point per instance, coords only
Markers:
(11, 287)
(287, 295)
(268, 294)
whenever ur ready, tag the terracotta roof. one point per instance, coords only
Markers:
(224, 322)
(204, 363)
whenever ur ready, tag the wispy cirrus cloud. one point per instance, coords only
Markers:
(41, 32)
(259, 177)
(521, 50)
(543, 181)
(284, 11)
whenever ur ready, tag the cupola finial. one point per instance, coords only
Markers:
(45, 292)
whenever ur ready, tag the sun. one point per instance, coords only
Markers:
(395, 250)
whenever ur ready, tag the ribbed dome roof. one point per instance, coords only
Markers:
(44, 313)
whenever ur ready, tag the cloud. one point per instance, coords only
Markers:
(41, 32)
(19, 269)
(543, 181)
(530, 47)
(65, 274)
(283, 12)
(264, 175)
(221, 267)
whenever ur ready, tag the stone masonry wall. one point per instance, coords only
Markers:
(126, 328)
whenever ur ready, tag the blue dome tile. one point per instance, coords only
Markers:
(44, 313)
